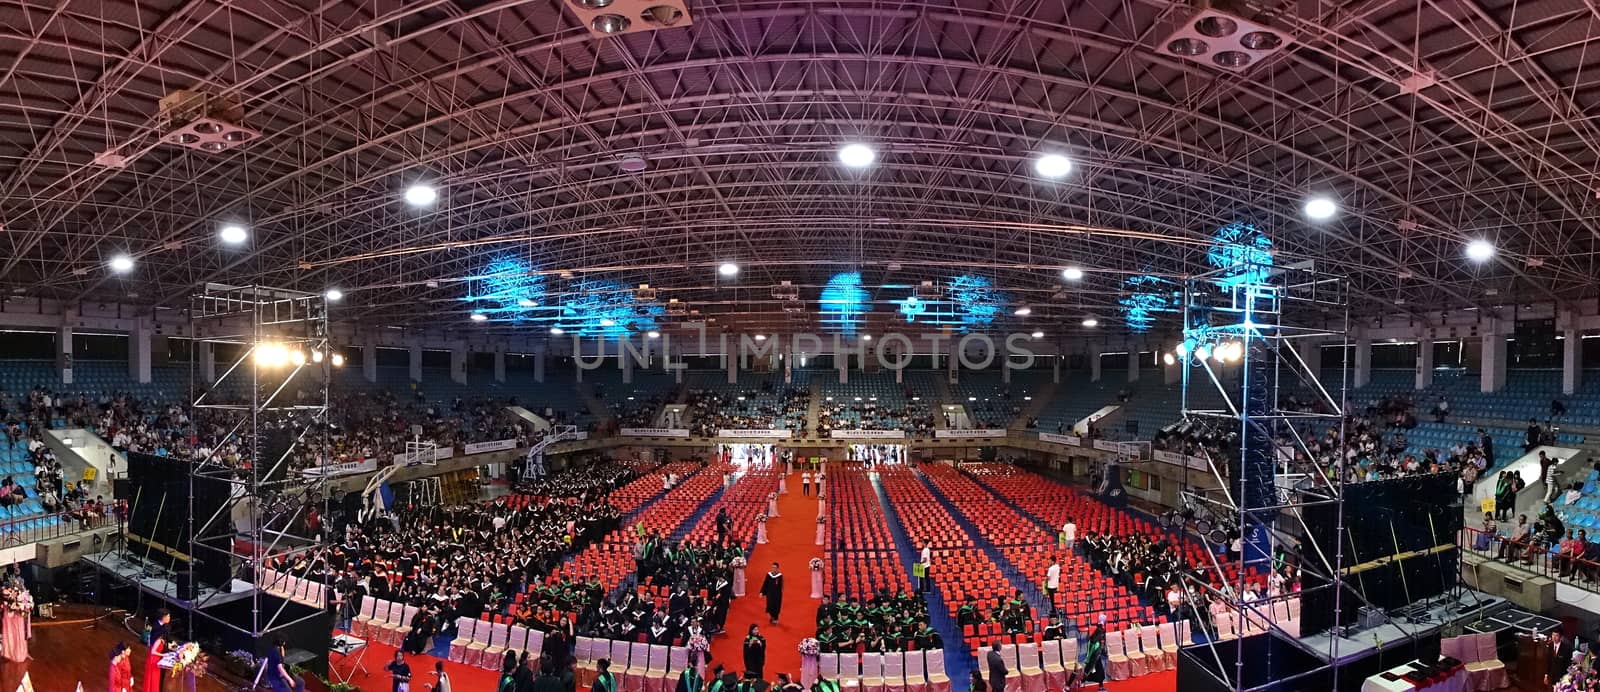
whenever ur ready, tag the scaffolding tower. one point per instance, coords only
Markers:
(271, 398)
(1247, 332)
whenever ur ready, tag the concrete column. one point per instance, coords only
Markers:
(733, 368)
(206, 357)
(1362, 368)
(415, 369)
(1055, 368)
(1094, 366)
(458, 364)
(500, 364)
(1492, 375)
(1310, 351)
(1133, 363)
(1571, 360)
(1424, 361)
(899, 374)
(953, 360)
(841, 360)
(139, 341)
(627, 364)
(539, 357)
(369, 362)
(64, 354)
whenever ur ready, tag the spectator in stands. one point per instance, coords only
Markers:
(1557, 409)
(1516, 539)
(1441, 410)
(1534, 437)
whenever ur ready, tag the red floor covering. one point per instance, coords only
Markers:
(792, 543)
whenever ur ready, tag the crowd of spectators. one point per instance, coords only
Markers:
(758, 409)
(913, 417)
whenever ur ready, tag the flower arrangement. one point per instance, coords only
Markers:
(761, 518)
(738, 561)
(816, 564)
(810, 647)
(16, 599)
(822, 520)
(699, 644)
(189, 658)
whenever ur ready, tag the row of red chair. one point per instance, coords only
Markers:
(611, 559)
(745, 502)
(860, 558)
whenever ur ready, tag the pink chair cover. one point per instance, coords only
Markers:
(1029, 669)
(1138, 663)
(1487, 673)
(1120, 668)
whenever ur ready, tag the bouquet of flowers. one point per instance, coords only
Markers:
(738, 561)
(822, 520)
(16, 599)
(810, 647)
(816, 564)
(698, 644)
(762, 518)
(189, 658)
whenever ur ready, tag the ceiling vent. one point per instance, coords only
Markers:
(613, 17)
(1220, 36)
(785, 291)
(198, 120)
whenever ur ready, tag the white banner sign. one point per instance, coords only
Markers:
(875, 434)
(728, 432)
(1105, 445)
(989, 432)
(495, 446)
(344, 469)
(653, 432)
(1168, 457)
(1061, 439)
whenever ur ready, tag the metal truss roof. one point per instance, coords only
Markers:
(520, 115)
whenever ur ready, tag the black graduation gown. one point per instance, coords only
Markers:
(755, 655)
(772, 589)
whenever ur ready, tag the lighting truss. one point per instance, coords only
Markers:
(1245, 329)
(266, 393)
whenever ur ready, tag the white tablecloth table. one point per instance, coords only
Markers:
(1457, 682)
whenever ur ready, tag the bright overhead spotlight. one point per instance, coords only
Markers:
(420, 195)
(653, 334)
(761, 337)
(527, 303)
(1072, 273)
(337, 360)
(316, 356)
(1168, 359)
(334, 295)
(557, 331)
(233, 234)
(122, 264)
(1480, 251)
(607, 322)
(1038, 335)
(857, 155)
(479, 317)
(297, 357)
(1320, 208)
(866, 337)
(1023, 311)
(1091, 322)
(1052, 165)
(271, 355)
(728, 269)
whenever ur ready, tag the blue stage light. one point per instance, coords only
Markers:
(844, 301)
(977, 302)
(1243, 252)
(1145, 297)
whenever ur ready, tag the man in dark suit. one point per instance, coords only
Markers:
(1560, 656)
(997, 668)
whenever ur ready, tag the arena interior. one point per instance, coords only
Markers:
(747, 345)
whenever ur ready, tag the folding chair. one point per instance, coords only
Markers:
(478, 651)
(849, 672)
(656, 673)
(1155, 659)
(398, 631)
(872, 673)
(1029, 667)
(363, 619)
(519, 639)
(586, 651)
(465, 626)
(500, 636)
(1486, 670)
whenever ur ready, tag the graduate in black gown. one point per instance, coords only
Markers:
(772, 589)
(755, 652)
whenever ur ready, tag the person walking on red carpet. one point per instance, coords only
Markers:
(772, 589)
(755, 652)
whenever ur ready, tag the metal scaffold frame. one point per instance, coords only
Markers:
(277, 382)
(1256, 321)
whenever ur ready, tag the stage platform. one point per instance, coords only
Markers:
(1454, 609)
(161, 582)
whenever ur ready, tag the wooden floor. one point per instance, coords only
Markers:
(75, 648)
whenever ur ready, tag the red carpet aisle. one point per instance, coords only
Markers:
(791, 543)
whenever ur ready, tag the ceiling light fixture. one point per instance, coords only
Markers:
(122, 264)
(557, 331)
(1480, 251)
(1038, 335)
(857, 155)
(1091, 322)
(334, 295)
(1320, 208)
(1072, 273)
(421, 195)
(728, 269)
(653, 334)
(479, 317)
(1023, 311)
(527, 302)
(1052, 166)
(233, 234)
